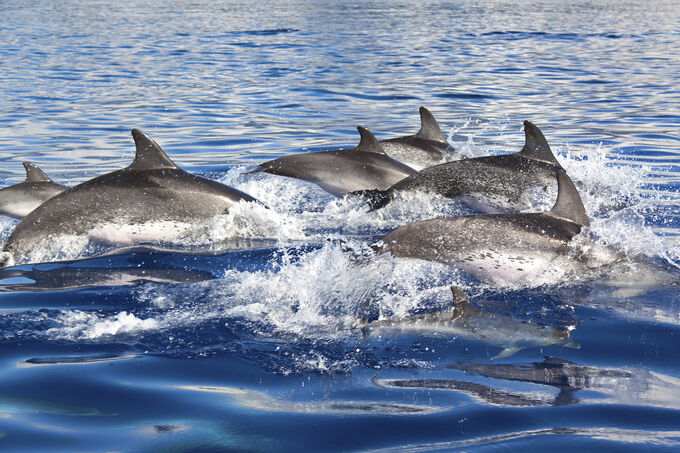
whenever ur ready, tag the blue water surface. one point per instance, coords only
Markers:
(260, 344)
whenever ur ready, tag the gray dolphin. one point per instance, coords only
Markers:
(502, 248)
(151, 200)
(491, 184)
(425, 148)
(20, 199)
(465, 320)
(636, 387)
(342, 171)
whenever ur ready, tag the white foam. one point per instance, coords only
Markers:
(614, 195)
(245, 220)
(324, 291)
(80, 325)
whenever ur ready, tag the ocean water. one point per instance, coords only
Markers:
(251, 336)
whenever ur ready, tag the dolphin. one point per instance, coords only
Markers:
(342, 171)
(465, 320)
(425, 148)
(151, 200)
(637, 387)
(567, 377)
(490, 184)
(503, 248)
(68, 277)
(20, 199)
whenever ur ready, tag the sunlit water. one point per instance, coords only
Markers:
(262, 343)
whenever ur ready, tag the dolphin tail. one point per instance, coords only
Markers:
(569, 205)
(375, 198)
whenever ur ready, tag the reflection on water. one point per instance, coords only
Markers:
(259, 401)
(465, 320)
(14, 404)
(63, 278)
(636, 387)
(669, 438)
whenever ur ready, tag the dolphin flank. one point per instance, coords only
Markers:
(490, 184)
(464, 319)
(20, 199)
(425, 148)
(342, 171)
(528, 248)
(151, 200)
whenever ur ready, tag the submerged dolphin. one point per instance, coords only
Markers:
(468, 321)
(20, 199)
(69, 277)
(637, 387)
(427, 147)
(151, 200)
(342, 171)
(491, 184)
(502, 248)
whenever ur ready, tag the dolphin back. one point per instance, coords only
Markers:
(19, 200)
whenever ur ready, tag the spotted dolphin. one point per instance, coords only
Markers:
(20, 199)
(425, 148)
(342, 171)
(465, 320)
(530, 248)
(491, 184)
(150, 200)
(616, 386)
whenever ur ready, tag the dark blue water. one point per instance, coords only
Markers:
(257, 346)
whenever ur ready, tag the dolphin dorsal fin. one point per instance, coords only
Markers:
(429, 129)
(461, 304)
(34, 174)
(149, 155)
(568, 205)
(536, 146)
(368, 142)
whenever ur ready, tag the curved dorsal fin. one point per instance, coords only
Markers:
(568, 205)
(368, 143)
(536, 146)
(34, 174)
(461, 304)
(149, 154)
(429, 129)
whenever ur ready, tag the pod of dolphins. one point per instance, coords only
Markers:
(154, 200)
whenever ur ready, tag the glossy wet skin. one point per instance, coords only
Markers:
(125, 196)
(150, 200)
(502, 252)
(415, 151)
(343, 171)
(497, 183)
(20, 199)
